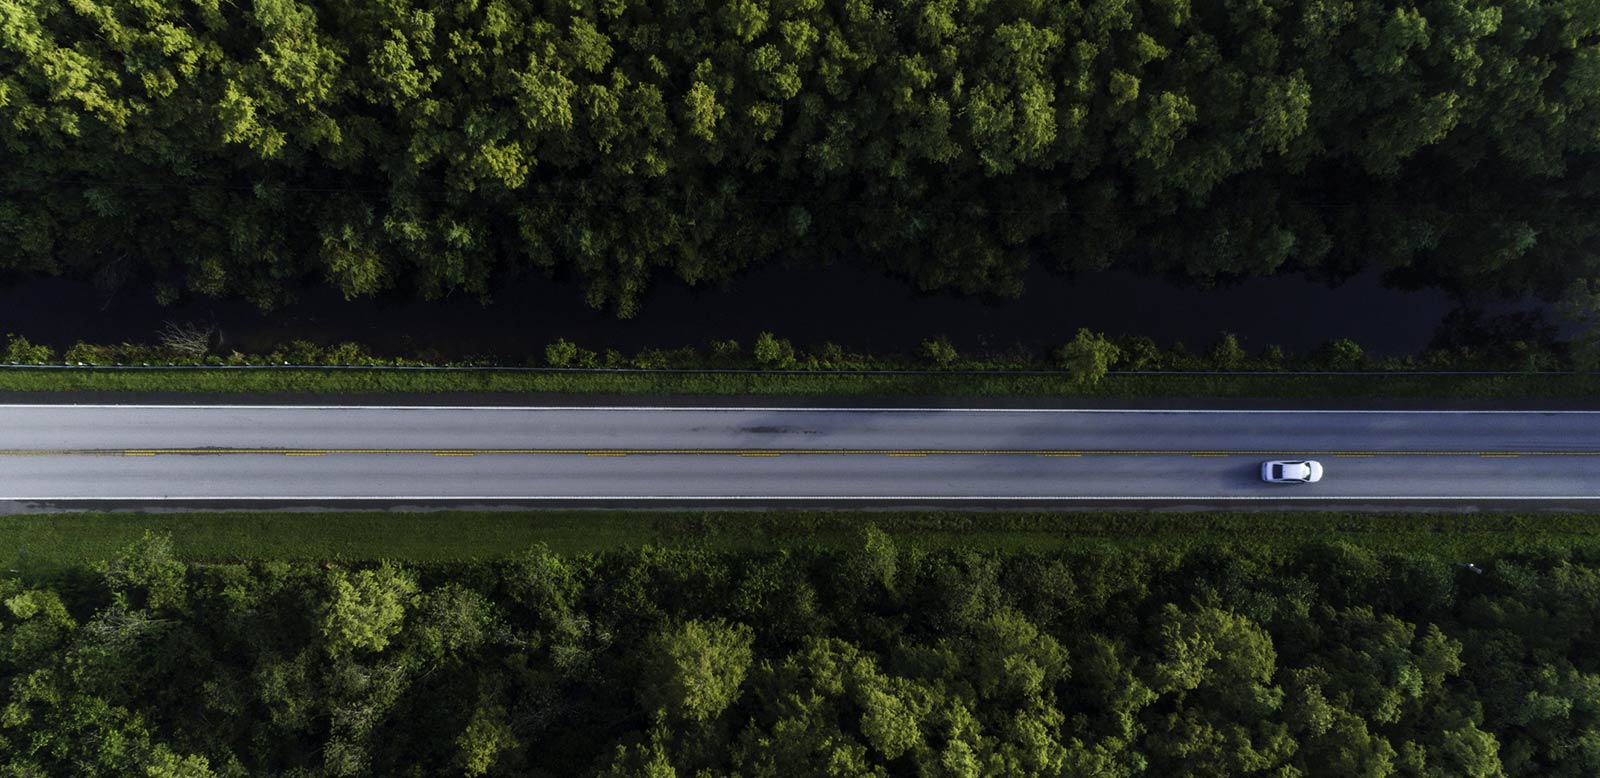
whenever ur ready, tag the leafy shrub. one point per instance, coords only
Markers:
(116, 354)
(166, 294)
(19, 351)
(1342, 354)
(1226, 353)
(772, 352)
(1520, 340)
(1179, 357)
(561, 353)
(1533, 358)
(651, 359)
(938, 351)
(1580, 305)
(830, 355)
(726, 353)
(1140, 353)
(1088, 357)
(347, 354)
(80, 352)
(299, 352)
(1272, 358)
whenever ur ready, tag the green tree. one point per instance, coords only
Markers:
(149, 573)
(366, 609)
(1088, 357)
(486, 736)
(693, 671)
(953, 145)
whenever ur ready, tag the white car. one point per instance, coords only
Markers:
(1291, 472)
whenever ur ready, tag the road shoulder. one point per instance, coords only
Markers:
(549, 399)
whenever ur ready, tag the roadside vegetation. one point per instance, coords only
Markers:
(1532, 367)
(872, 655)
(43, 544)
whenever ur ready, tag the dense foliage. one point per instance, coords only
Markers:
(1328, 661)
(1517, 342)
(237, 148)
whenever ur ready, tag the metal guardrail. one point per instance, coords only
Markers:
(841, 371)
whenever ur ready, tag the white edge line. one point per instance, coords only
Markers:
(790, 409)
(640, 498)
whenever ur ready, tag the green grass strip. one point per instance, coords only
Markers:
(1287, 385)
(42, 544)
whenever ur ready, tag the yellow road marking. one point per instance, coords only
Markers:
(1499, 456)
(146, 452)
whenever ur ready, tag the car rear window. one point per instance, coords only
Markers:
(1277, 471)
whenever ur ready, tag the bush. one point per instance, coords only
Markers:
(1342, 354)
(938, 351)
(772, 352)
(1088, 357)
(684, 357)
(81, 353)
(347, 354)
(561, 353)
(166, 294)
(1520, 340)
(1532, 358)
(1141, 353)
(1179, 357)
(726, 353)
(1226, 353)
(650, 359)
(299, 352)
(19, 351)
(115, 354)
(1272, 358)
(830, 356)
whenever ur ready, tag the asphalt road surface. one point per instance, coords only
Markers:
(56, 457)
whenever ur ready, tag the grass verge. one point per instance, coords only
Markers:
(1286, 385)
(41, 544)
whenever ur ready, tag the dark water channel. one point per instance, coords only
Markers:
(856, 307)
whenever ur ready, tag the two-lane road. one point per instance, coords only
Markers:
(55, 456)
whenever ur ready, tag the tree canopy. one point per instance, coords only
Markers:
(438, 145)
(1325, 660)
